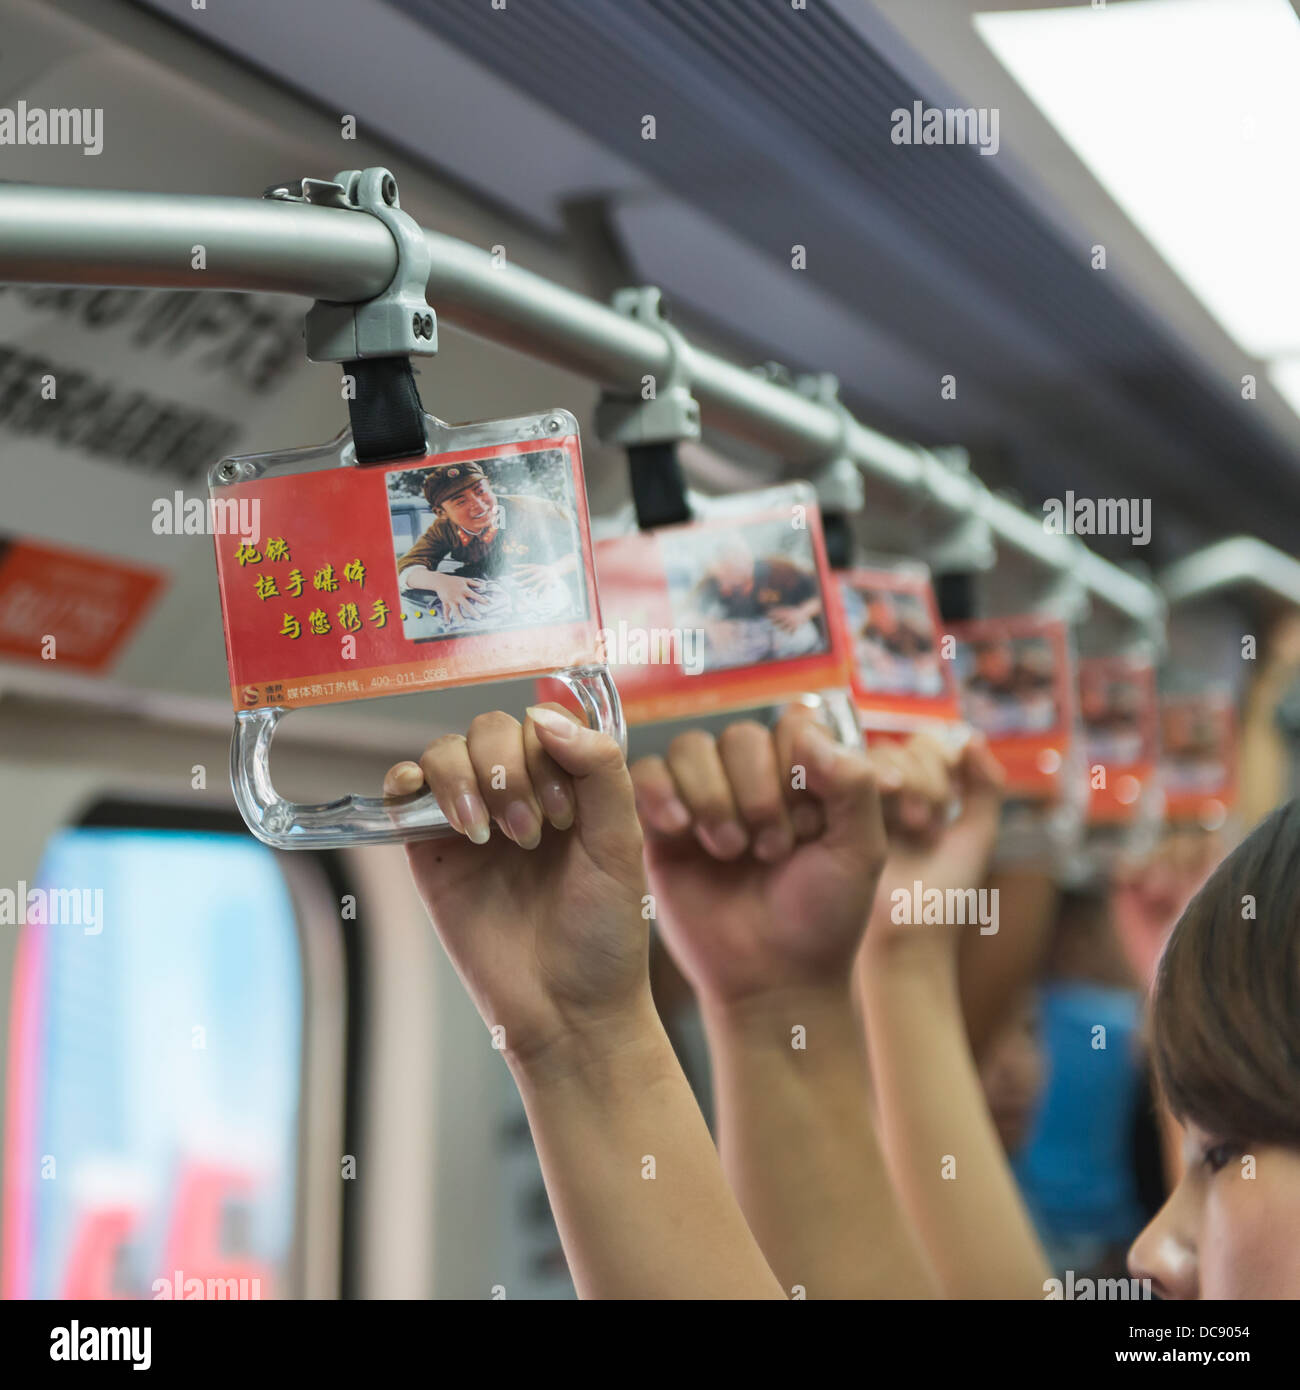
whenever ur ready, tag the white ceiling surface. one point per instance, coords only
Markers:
(1047, 172)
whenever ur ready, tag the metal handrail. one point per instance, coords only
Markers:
(146, 240)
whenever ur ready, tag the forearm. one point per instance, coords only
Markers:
(635, 1185)
(943, 1151)
(994, 968)
(800, 1149)
(1263, 753)
(418, 575)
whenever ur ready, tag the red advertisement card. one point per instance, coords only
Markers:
(1198, 757)
(1016, 677)
(472, 564)
(901, 680)
(1120, 718)
(728, 611)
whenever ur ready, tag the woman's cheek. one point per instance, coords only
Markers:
(1250, 1246)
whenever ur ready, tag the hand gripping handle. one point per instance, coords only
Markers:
(370, 820)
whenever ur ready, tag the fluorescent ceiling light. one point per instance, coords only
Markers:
(1186, 112)
(1285, 375)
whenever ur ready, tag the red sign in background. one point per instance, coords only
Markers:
(89, 604)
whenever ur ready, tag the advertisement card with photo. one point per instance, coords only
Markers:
(1016, 680)
(472, 564)
(1119, 714)
(731, 610)
(902, 682)
(1198, 757)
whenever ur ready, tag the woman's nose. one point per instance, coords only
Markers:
(1165, 1253)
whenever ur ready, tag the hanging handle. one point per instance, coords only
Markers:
(370, 820)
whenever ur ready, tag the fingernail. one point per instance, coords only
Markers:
(557, 805)
(725, 841)
(890, 778)
(806, 821)
(774, 842)
(473, 817)
(522, 825)
(552, 721)
(406, 778)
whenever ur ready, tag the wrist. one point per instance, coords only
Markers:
(914, 949)
(597, 1053)
(770, 1016)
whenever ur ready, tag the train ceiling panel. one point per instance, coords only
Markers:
(772, 128)
(777, 123)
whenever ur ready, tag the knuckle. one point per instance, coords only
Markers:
(492, 724)
(648, 772)
(765, 807)
(858, 770)
(605, 752)
(689, 744)
(713, 809)
(742, 734)
(442, 750)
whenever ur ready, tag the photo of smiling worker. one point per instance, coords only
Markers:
(894, 642)
(492, 559)
(1008, 684)
(754, 592)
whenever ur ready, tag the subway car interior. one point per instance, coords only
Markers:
(927, 371)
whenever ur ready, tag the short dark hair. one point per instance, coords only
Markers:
(1227, 1001)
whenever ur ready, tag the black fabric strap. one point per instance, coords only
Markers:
(658, 489)
(387, 417)
(954, 592)
(839, 539)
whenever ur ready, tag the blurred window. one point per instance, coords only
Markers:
(154, 1062)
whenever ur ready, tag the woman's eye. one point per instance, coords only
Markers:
(1219, 1155)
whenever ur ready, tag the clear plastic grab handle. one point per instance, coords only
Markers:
(840, 714)
(370, 820)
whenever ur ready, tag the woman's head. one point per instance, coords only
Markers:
(1012, 1071)
(1226, 1045)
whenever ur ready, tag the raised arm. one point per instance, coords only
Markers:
(1265, 760)
(763, 849)
(943, 1149)
(995, 968)
(539, 902)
